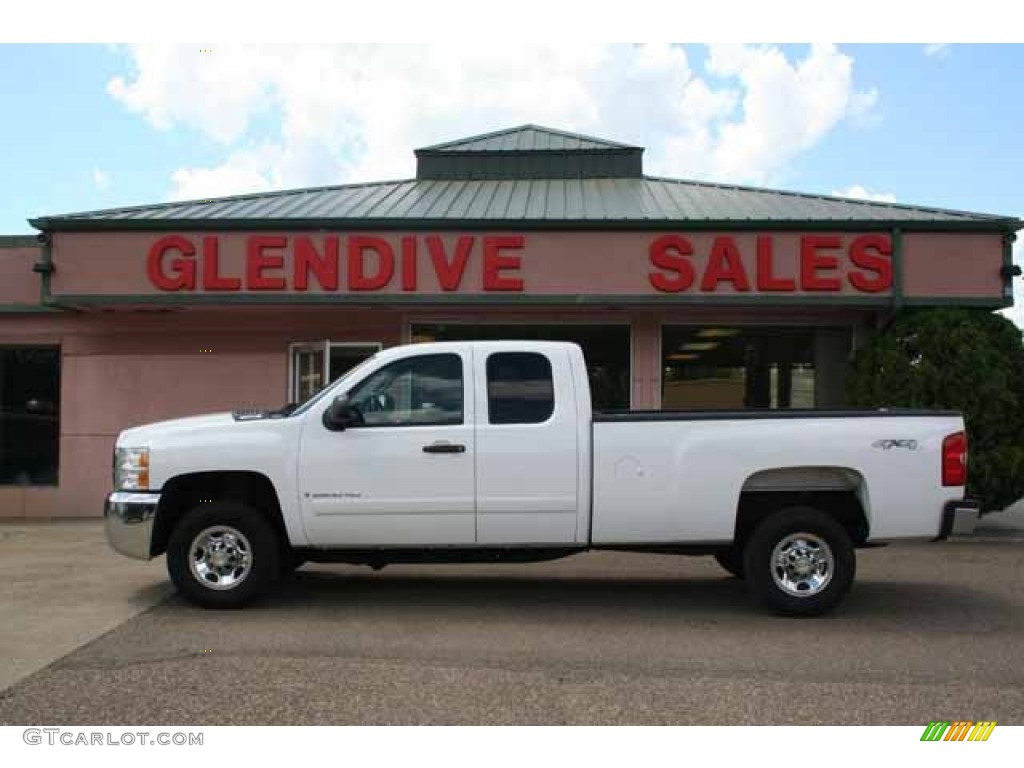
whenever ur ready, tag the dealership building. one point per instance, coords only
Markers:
(683, 294)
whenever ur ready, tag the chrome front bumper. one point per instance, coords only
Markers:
(959, 518)
(129, 518)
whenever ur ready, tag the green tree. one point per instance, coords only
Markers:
(970, 360)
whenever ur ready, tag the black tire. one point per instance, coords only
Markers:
(258, 538)
(731, 560)
(825, 539)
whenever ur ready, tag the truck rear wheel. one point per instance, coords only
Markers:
(223, 554)
(800, 562)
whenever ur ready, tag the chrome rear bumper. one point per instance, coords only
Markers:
(129, 522)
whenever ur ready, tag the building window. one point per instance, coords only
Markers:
(315, 364)
(606, 349)
(520, 388)
(708, 367)
(426, 390)
(29, 415)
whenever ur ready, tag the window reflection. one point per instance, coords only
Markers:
(29, 415)
(737, 367)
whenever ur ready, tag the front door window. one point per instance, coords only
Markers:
(425, 390)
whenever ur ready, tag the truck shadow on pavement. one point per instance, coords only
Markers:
(151, 594)
(690, 598)
(508, 592)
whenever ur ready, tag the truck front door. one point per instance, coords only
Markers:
(405, 475)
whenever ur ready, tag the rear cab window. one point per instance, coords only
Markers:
(520, 388)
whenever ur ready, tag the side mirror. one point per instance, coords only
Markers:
(340, 415)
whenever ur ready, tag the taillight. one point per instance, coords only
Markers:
(954, 459)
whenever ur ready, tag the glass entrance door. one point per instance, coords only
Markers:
(315, 364)
(308, 370)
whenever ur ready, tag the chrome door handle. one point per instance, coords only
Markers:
(444, 448)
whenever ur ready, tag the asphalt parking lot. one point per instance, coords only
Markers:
(929, 631)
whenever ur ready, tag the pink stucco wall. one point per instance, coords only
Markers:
(953, 265)
(18, 283)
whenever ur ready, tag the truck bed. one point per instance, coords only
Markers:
(677, 476)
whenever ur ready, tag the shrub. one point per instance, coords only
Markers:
(970, 360)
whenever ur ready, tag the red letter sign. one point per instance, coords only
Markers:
(878, 263)
(724, 263)
(449, 273)
(811, 262)
(183, 267)
(358, 280)
(669, 253)
(257, 260)
(307, 261)
(212, 279)
(495, 263)
(766, 281)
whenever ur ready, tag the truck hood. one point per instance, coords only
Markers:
(145, 434)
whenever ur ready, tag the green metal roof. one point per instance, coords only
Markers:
(529, 152)
(528, 177)
(18, 241)
(521, 202)
(526, 138)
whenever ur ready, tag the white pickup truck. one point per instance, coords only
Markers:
(489, 452)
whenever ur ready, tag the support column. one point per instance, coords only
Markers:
(646, 374)
(831, 352)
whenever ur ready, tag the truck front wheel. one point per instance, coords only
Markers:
(800, 562)
(223, 554)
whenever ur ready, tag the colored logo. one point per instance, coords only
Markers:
(961, 730)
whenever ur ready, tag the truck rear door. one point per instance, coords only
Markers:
(526, 444)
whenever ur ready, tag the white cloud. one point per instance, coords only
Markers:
(938, 50)
(181, 85)
(246, 170)
(783, 108)
(101, 180)
(297, 116)
(860, 193)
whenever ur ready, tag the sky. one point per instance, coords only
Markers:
(86, 127)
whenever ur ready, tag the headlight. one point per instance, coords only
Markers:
(131, 469)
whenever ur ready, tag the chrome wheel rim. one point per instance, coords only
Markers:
(802, 564)
(220, 557)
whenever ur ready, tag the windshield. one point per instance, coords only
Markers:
(330, 387)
